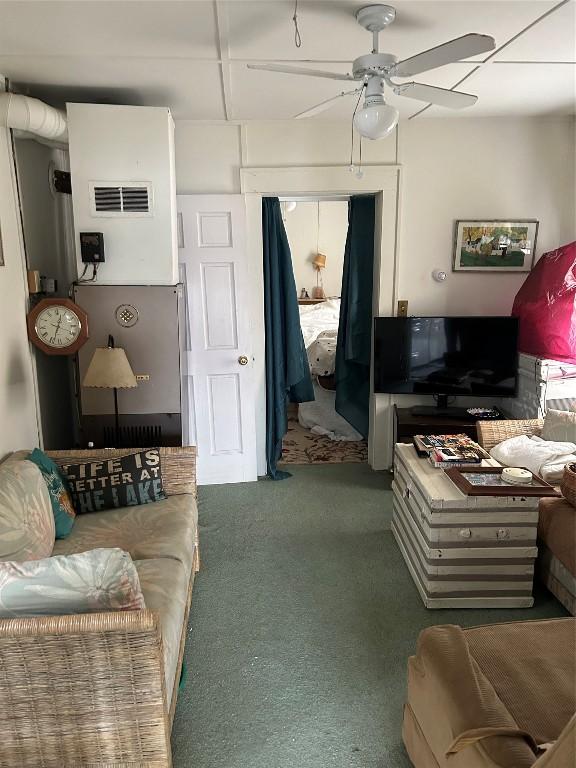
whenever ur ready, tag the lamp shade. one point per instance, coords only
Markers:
(377, 119)
(109, 368)
(319, 261)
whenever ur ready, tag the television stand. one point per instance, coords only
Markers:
(407, 424)
(440, 412)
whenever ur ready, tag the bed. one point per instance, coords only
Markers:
(319, 324)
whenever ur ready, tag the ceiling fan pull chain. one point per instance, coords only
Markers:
(360, 172)
(352, 168)
(297, 37)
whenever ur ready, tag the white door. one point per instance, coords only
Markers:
(219, 387)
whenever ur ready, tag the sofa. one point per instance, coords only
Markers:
(499, 696)
(556, 564)
(100, 689)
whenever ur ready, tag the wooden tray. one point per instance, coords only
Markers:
(538, 487)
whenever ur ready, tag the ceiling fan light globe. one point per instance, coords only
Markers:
(376, 121)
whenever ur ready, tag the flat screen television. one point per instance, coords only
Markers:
(446, 356)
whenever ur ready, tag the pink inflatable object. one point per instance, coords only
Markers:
(546, 306)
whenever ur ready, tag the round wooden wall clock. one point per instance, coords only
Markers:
(57, 326)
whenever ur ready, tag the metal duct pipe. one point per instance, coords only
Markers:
(23, 113)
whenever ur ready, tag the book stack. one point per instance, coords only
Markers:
(445, 451)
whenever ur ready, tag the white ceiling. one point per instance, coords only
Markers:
(191, 55)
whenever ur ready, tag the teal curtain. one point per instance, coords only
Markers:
(353, 348)
(287, 370)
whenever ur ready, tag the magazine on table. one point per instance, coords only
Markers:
(450, 450)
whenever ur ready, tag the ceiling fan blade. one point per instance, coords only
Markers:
(434, 95)
(324, 104)
(447, 53)
(300, 71)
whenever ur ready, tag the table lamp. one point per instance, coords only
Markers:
(110, 369)
(319, 263)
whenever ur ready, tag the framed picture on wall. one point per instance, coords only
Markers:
(495, 245)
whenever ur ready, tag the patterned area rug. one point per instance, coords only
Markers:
(300, 446)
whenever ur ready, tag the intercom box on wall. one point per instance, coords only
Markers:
(92, 247)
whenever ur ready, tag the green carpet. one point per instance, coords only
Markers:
(303, 617)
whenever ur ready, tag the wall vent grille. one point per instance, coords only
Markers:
(135, 436)
(122, 199)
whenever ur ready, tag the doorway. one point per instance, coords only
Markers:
(224, 357)
(383, 182)
(317, 229)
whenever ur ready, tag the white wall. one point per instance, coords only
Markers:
(451, 169)
(483, 168)
(209, 156)
(317, 227)
(309, 142)
(18, 426)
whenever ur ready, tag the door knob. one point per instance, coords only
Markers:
(243, 360)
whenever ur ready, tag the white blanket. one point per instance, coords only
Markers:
(315, 318)
(542, 457)
(320, 416)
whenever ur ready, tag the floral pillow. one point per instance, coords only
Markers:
(26, 519)
(96, 581)
(62, 506)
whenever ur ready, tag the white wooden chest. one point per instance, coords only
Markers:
(542, 384)
(462, 551)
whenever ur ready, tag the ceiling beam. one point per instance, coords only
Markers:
(496, 51)
(222, 27)
(216, 61)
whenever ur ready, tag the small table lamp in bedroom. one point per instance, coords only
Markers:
(109, 368)
(319, 263)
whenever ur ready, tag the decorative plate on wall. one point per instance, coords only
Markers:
(126, 315)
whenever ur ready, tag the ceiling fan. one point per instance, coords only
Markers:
(375, 71)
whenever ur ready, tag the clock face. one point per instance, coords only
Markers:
(58, 326)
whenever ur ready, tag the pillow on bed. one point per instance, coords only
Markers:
(322, 354)
(542, 457)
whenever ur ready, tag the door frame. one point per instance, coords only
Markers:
(384, 182)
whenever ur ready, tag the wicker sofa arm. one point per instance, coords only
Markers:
(83, 690)
(490, 433)
(178, 464)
